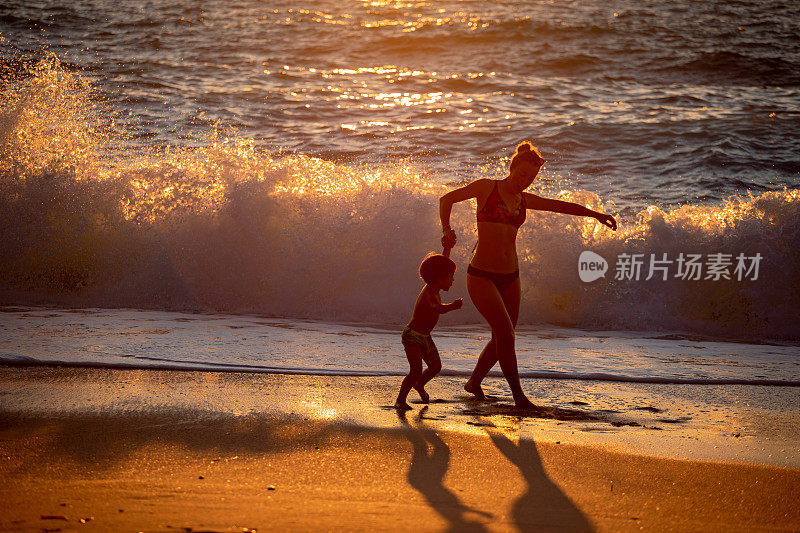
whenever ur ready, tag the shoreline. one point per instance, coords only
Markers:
(10, 304)
(137, 339)
(746, 424)
(223, 452)
(243, 369)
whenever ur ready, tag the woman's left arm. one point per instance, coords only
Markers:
(568, 208)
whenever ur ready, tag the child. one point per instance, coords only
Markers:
(437, 271)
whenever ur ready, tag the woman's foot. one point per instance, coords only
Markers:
(475, 390)
(401, 406)
(423, 394)
(524, 403)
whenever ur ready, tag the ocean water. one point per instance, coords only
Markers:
(642, 102)
(676, 396)
(137, 339)
(283, 160)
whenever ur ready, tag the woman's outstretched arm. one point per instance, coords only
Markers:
(568, 208)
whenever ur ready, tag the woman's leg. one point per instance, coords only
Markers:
(490, 304)
(488, 357)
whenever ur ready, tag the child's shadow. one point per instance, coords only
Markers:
(427, 471)
(543, 507)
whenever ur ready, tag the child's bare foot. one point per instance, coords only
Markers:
(402, 406)
(423, 394)
(475, 390)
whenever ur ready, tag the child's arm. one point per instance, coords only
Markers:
(446, 308)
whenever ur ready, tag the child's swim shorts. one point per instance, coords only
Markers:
(425, 342)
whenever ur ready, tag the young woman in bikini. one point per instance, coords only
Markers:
(493, 274)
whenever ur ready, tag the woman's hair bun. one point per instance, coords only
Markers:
(526, 151)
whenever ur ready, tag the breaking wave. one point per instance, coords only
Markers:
(227, 226)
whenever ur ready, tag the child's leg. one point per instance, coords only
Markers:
(414, 355)
(434, 363)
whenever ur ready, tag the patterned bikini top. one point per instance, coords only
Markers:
(495, 210)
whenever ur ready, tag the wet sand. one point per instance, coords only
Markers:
(162, 450)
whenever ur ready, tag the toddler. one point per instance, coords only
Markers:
(437, 271)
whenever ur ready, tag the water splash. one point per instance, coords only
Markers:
(49, 123)
(226, 226)
(768, 225)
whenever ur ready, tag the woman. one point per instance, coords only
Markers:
(493, 274)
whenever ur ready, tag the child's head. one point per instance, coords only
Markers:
(436, 266)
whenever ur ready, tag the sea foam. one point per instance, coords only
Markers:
(225, 225)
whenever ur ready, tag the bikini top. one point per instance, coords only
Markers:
(495, 210)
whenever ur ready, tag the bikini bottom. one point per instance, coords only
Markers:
(501, 281)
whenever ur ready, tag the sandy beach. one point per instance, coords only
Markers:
(132, 450)
(213, 220)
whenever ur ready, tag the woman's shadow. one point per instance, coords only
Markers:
(543, 506)
(427, 471)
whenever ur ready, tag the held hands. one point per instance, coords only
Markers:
(449, 238)
(606, 220)
(457, 304)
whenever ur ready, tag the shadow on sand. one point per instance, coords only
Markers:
(94, 442)
(543, 507)
(481, 409)
(427, 471)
